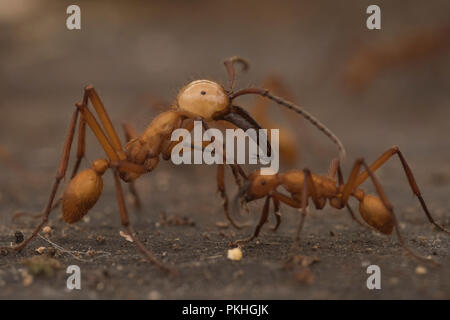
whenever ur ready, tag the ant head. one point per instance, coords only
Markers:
(210, 101)
(260, 185)
(203, 98)
(375, 213)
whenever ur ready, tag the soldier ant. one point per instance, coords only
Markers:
(376, 210)
(203, 100)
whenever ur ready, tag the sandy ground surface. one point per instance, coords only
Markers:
(131, 52)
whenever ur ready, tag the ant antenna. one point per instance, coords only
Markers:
(297, 109)
(229, 65)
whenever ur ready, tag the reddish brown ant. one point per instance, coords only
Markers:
(203, 100)
(376, 210)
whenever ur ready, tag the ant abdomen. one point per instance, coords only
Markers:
(374, 212)
(83, 191)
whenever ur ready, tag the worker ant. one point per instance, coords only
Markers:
(376, 210)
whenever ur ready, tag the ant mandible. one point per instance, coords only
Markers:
(203, 100)
(376, 210)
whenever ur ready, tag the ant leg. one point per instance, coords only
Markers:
(134, 193)
(98, 132)
(308, 190)
(81, 146)
(235, 170)
(353, 216)
(80, 154)
(239, 173)
(101, 137)
(89, 92)
(304, 204)
(335, 168)
(350, 184)
(189, 125)
(61, 173)
(296, 204)
(35, 215)
(262, 221)
(390, 208)
(276, 211)
(222, 191)
(126, 223)
(129, 135)
(411, 180)
(221, 181)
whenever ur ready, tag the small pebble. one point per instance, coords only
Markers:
(222, 224)
(46, 229)
(206, 236)
(126, 236)
(100, 239)
(421, 270)
(19, 236)
(235, 254)
(40, 250)
(421, 239)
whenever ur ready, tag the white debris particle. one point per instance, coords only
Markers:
(46, 229)
(126, 236)
(235, 254)
(421, 270)
(40, 250)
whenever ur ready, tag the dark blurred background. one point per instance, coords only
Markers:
(129, 50)
(373, 88)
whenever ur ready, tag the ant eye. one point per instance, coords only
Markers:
(263, 182)
(203, 93)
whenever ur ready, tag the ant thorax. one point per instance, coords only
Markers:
(150, 143)
(293, 182)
